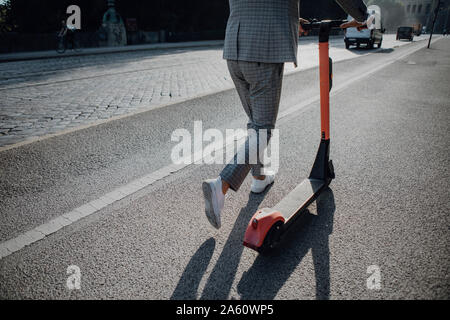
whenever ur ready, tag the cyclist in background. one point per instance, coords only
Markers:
(68, 31)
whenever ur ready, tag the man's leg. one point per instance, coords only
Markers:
(214, 190)
(260, 98)
(259, 87)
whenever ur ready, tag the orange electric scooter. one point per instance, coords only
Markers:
(267, 227)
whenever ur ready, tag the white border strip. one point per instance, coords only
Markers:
(54, 225)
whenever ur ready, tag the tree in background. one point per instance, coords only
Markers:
(4, 23)
(392, 12)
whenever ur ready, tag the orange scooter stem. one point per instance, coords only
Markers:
(267, 226)
(325, 87)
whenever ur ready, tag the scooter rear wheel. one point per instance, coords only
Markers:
(272, 239)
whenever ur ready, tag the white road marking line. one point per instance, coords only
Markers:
(54, 225)
(25, 239)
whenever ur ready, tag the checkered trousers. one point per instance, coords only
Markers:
(259, 88)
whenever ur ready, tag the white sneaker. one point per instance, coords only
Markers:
(214, 200)
(258, 186)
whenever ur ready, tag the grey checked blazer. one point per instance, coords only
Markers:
(262, 31)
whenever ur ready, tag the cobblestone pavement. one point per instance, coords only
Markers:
(47, 96)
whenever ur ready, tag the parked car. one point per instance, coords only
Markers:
(405, 33)
(369, 37)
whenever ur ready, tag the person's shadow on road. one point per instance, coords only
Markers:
(219, 283)
(221, 279)
(268, 274)
(188, 285)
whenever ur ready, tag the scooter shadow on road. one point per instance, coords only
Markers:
(268, 274)
(221, 278)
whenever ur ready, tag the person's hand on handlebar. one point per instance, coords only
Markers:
(302, 31)
(368, 24)
(354, 24)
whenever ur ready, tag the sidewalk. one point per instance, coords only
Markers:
(35, 55)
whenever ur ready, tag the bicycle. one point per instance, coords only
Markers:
(62, 43)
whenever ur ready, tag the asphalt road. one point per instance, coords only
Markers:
(388, 206)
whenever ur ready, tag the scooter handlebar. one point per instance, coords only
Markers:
(315, 24)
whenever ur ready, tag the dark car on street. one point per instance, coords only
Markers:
(405, 33)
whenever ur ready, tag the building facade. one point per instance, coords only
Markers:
(418, 11)
(422, 11)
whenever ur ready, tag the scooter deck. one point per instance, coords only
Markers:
(299, 199)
